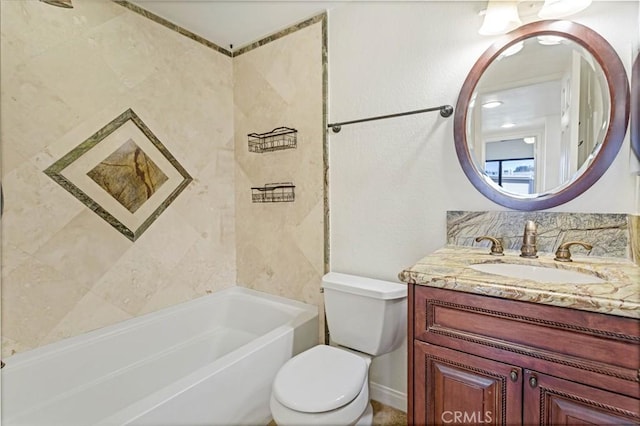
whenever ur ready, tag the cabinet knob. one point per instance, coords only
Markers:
(514, 375)
(533, 381)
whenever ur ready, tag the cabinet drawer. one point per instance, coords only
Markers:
(566, 339)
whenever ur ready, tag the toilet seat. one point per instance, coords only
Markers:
(346, 415)
(321, 379)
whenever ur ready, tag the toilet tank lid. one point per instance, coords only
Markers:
(363, 286)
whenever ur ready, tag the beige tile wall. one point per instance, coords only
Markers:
(280, 246)
(65, 73)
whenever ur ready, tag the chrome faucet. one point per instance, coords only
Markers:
(529, 248)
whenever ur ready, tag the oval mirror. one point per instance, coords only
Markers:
(541, 115)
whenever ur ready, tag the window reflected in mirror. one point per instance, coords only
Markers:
(511, 164)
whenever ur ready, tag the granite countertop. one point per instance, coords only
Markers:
(448, 268)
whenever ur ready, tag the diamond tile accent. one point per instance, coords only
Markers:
(129, 175)
(140, 175)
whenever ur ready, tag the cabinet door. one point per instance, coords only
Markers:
(452, 387)
(553, 401)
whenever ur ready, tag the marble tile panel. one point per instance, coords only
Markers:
(11, 157)
(308, 240)
(203, 202)
(196, 127)
(38, 116)
(70, 72)
(35, 298)
(303, 65)
(12, 347)
(12, 257)
(129, 47)
(129, 175)
(64, 70)
(206, 268)
(135, 277)
(201, 272)
(86, 248)
(35, 207)
(280, 246)
(34, 27)
(90, 313)
(608, 233)
(258, 99)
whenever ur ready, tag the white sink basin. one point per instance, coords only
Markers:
(537, 273)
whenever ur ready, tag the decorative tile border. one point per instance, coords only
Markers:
(155, 18)
(325, 146)
(608, 233)
(275, 36)
(195, 37)
(70, 173)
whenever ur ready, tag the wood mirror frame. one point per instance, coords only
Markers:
(618, 86)
(635, 107)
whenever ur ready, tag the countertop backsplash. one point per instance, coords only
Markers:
(612, 235)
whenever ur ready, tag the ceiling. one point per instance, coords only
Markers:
(238, 22)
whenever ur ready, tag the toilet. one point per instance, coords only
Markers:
(329, 385)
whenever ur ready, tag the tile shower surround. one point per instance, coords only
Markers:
(53, 284)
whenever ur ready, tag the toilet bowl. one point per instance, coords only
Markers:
(322, 386)
(329, 385)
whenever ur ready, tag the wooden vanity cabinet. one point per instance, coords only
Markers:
(476, 359)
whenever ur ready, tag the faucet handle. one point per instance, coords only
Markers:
(496, 245)
(564, 255)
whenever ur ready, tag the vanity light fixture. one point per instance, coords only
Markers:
(554, 9)
(492, 104)
(500, 18)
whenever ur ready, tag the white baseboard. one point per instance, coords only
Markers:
(388, 396)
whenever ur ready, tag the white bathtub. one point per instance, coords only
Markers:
(204, 362)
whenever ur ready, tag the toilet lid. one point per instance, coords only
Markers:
(320, 379)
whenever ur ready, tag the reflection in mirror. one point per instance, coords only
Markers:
(538, 115)
(541, 115)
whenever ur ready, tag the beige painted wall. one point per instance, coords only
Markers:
(280, 246)
(66, 73)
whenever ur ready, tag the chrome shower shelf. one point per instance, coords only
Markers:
(275, 140)
(273, 193)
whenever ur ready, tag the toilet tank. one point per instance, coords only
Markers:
(365, 314)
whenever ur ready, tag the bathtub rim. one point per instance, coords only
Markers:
(21, 359)
(301, 315)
